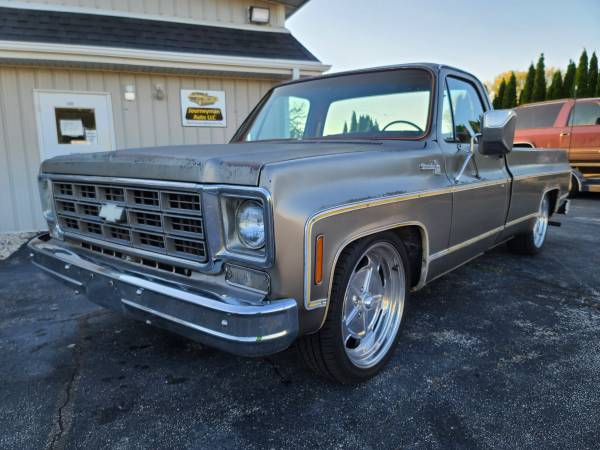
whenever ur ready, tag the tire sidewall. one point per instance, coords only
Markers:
(334, 317)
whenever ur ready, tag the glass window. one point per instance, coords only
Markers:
(75, 126)
(537, 116)
(467, 109)
(585, 113)
(447, 123)
(386, 104)
(286, 118)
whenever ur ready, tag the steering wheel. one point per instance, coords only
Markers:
(403, 121)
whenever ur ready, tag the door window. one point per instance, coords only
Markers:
(467, 109)
(585, 113)
(75, 126)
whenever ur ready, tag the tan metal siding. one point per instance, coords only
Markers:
(222, 11)
(144, 122)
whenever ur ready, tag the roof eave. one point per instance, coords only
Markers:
(114, 58)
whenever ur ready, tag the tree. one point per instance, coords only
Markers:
(345, 131)
(539, 84)
(568, 90)
(499, 98)
(509, 99)
(353, 123)
(581, 76)
(527, 92)
(555, 91)
(593, 76)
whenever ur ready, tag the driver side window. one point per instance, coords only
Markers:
(467, 109)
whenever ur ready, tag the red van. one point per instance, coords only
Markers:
(570, 124)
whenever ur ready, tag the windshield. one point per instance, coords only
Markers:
(391, 104)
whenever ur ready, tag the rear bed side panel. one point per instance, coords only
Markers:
(534, 172)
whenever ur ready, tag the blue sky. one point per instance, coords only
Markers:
(484, 37)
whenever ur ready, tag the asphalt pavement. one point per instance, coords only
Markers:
(501, 353)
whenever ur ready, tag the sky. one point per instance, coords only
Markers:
(484, 37)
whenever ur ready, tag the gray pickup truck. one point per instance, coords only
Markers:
(337, 197)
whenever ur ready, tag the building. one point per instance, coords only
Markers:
(93, 75)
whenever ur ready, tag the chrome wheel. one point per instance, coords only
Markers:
(373, 305)
(541, 224)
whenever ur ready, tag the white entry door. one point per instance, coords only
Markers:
(74, 122)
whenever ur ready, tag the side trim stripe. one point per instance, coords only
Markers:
(309, 305)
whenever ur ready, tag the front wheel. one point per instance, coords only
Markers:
(531, 243)
(365, 313)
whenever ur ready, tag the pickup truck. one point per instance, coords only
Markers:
(573, 125)
(337, 197)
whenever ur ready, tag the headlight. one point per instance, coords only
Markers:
(250, 224)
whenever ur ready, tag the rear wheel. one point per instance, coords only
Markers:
(531, 243)
(365, 312)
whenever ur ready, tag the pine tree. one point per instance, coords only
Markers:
(345, 130)
(527, 92)
(499, 98)
(539, 85)
(581, 76)
(593, 76)
(509, 99)
(555, 91)
(568, 90)
(353, 123)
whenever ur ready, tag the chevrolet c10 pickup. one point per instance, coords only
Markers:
(337, 197)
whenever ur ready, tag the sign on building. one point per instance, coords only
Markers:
(201, 108)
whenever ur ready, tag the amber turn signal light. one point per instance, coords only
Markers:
(319, 259)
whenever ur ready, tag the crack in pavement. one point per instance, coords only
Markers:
(64, 415)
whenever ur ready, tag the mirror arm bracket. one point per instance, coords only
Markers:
(474, 138)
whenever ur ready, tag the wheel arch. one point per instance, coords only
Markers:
(416, 238)
(418, 251)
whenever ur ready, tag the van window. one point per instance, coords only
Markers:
(585, 113)
(539, 116)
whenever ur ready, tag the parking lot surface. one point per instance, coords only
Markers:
(503, 352)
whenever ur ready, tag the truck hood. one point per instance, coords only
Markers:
(238, 164)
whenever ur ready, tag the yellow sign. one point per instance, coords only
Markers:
(204, 114)
(200, 108)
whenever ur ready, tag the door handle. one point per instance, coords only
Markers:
(564, 133)
(433, 165)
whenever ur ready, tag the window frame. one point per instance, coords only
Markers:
(484, 104)
(238, 137)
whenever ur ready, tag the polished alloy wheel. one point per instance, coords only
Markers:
(373, 305)
(541, 224)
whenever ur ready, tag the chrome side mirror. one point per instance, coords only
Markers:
(497, 132)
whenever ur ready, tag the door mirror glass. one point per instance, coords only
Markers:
(498, 132)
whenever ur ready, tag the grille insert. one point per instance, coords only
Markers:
(183, 202)
(145, 198)
(165, 222)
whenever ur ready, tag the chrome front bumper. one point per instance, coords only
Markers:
(236, 326)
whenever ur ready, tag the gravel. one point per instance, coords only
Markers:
(10, 243)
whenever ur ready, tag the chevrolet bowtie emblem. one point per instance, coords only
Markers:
(112, 213)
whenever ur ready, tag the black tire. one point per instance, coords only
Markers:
(324, 352)
(529, 243)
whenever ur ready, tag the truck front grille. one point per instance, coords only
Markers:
(156, 220)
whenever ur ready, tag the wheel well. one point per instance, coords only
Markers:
(413, 236)
(523, 145)
(553, 196)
